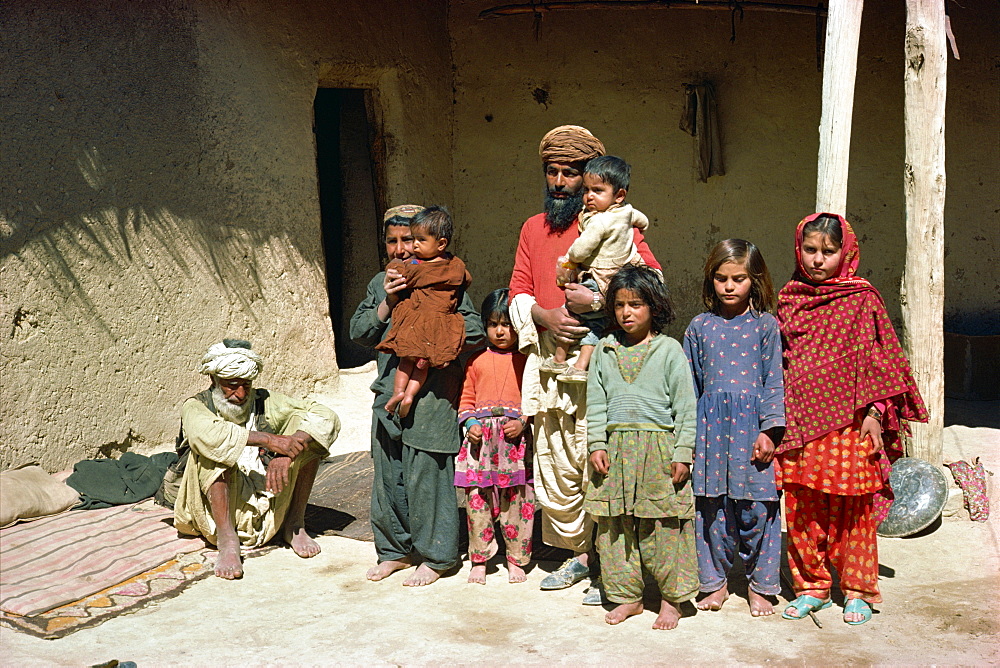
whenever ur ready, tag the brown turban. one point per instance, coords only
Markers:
(569, 143)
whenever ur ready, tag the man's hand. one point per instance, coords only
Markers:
(290, 446)
(565, 328)
(579, 298)
(599, 461)
(394, 283)
(277, 474)
(872, 429)
(475, 434)
(680, 472)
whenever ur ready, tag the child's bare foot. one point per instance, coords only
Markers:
(760, 606)
(301, 542)
(623, 611)
(390, 406)
(228, 565)
(670, 613)
(404, 406)
(386, 568)
(423, 576)
(478, 574)
(715, 600)
(515, 573)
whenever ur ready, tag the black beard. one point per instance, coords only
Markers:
(560, 213)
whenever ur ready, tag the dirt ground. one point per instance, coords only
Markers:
(939, 608)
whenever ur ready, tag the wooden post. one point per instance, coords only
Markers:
(922, 292)
(840, 61)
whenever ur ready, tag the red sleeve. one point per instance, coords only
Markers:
(520, 278)
(647, 255)
(468, 400)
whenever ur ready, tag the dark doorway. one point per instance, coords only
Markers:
(348, 209)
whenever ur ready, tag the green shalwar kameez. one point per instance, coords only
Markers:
(641, 410)
(414, 508)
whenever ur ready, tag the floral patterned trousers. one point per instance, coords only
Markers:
(830, 529)
(514, 508)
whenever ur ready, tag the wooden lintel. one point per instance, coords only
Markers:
(722, 5)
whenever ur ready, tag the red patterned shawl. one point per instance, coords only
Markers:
(841, 352)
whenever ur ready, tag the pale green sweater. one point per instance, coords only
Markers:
(661, 398)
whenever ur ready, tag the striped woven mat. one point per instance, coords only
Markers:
(59, 560)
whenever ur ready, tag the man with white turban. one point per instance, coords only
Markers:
(251, 459)
(538, 311)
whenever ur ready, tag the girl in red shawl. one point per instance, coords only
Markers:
(847, 388)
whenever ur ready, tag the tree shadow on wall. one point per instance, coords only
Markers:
(116, 168)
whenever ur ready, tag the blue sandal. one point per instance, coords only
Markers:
(856, 605)
(805, 604)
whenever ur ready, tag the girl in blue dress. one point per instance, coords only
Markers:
(735, 353)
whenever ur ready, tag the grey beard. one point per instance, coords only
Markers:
(560, 213)
(234, 413)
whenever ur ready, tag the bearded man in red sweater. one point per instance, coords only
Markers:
(540, 312)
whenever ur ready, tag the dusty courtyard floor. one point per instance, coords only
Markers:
(939, 608)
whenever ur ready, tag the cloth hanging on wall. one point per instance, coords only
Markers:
(701, 120)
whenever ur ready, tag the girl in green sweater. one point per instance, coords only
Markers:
(641, 429)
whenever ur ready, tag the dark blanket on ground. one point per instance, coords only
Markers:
(103, 483)
(340, 505)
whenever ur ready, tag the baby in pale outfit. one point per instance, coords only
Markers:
(605, 245)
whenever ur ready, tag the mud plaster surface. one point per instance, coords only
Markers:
(287, 611)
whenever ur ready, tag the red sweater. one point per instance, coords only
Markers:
(538, 249)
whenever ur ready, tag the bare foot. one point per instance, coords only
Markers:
(386, 568)
(390, 406)
(623, 611)
(404, 406)
(670, 613)
(715, 600)
(228, 565)
(478, 574)
(300, 541)
(515, 573)
(423, 576)
(760, 606)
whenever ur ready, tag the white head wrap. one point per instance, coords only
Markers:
(225, 362)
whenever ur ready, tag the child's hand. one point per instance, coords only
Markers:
(565, 271)
(872, 428)
(599, 461)
(763, 449)
(512, 429)
(475, 434)
(681, 472)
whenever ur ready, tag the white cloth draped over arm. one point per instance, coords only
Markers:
(540, 393)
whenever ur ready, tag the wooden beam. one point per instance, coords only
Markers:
(840, 64)
(725, 5)
(922, 290)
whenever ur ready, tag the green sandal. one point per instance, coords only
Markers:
(856, 605)
(805, 604)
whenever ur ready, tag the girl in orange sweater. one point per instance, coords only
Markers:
(493, 465)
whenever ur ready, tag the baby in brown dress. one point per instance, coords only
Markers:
(427, 330)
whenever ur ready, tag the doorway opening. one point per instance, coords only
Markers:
(349, 208)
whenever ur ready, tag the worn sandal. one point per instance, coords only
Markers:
(573, 375)
(858, 606)
(805, 604)
(550, 365)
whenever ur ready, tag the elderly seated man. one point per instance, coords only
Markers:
(252, 462)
